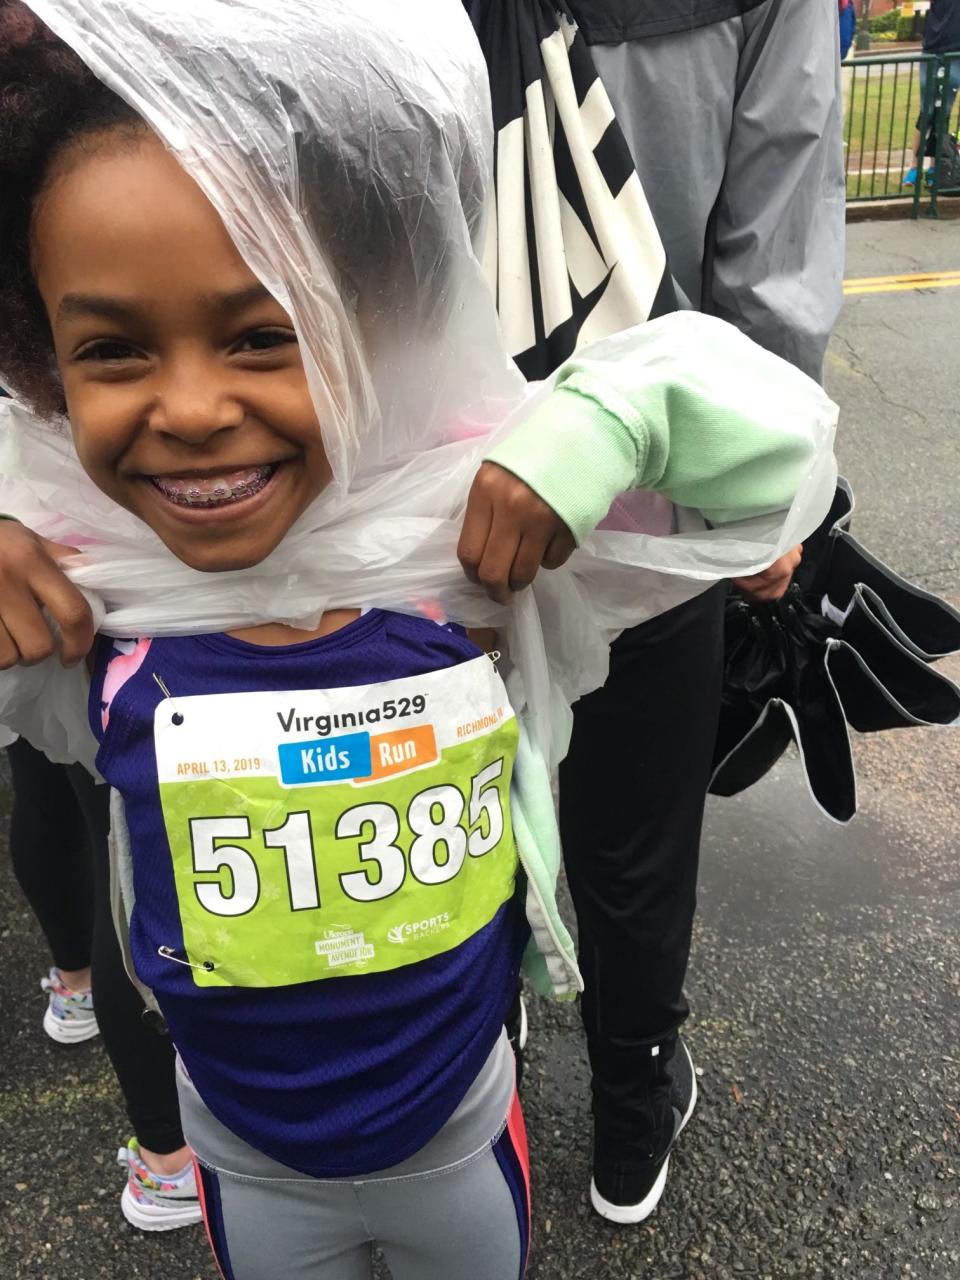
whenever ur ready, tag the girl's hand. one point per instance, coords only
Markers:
(772, 583)
(31, 579)
(508, 533)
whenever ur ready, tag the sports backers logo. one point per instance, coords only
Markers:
(411, 930)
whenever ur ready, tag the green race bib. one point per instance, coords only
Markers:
(329, 832)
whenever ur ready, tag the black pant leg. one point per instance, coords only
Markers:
(632, 792)
(143, 1057)
(50, 853)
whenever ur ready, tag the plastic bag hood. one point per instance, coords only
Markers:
(346, 145)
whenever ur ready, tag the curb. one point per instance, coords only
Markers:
(948, 207)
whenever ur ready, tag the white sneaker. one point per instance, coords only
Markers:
(152, 1202)
(69, 1017)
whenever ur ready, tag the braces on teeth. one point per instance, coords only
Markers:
(220, 493)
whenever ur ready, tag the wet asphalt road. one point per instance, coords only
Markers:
(825, 980)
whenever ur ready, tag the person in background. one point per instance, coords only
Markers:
(51, 858)
(848, 26)
(732, 113)
(941, 35)
(58, 847)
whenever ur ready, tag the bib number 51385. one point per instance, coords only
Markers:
(435, 816)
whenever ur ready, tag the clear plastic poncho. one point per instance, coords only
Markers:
(347, 146)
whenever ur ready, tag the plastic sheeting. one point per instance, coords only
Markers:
(347, 148)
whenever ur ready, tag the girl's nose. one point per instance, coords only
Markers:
(194, 401)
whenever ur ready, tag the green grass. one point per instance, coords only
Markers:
(881, 106)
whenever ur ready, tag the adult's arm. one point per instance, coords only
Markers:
(779, 218)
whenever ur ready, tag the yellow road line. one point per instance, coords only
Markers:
(917, 275)
(904, 288)
(902, 283)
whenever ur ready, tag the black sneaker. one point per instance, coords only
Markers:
(627, 1183)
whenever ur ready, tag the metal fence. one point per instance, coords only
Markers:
(884, 98)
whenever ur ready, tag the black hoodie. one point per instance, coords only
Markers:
(942, 31)
(615, 21)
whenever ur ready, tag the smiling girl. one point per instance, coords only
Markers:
(316, 1068)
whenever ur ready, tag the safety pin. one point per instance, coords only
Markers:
(494, 655)
(167, 953)
(177, 717)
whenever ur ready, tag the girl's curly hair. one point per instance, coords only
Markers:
(48, 99)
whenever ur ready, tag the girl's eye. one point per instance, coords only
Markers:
(106, 351)
(266, 339)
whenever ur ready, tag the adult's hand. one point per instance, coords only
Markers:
(509, 533)
(772, 583)
(31, 579)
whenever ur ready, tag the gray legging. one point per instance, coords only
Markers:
(434, 1217)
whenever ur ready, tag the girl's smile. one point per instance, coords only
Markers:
(212, 491)
(182, 374)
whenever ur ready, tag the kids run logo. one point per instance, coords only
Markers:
(411, 930)
(357, 757)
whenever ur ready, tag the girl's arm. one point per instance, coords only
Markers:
(685, 406)
(705, 436)
(31, 581)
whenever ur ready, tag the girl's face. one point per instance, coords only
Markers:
(183, 380)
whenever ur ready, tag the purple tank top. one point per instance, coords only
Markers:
(327, 906)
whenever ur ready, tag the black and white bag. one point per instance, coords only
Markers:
(573, 253)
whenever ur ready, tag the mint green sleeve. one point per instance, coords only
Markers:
(723, 430)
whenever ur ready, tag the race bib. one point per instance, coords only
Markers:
(321, 833)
